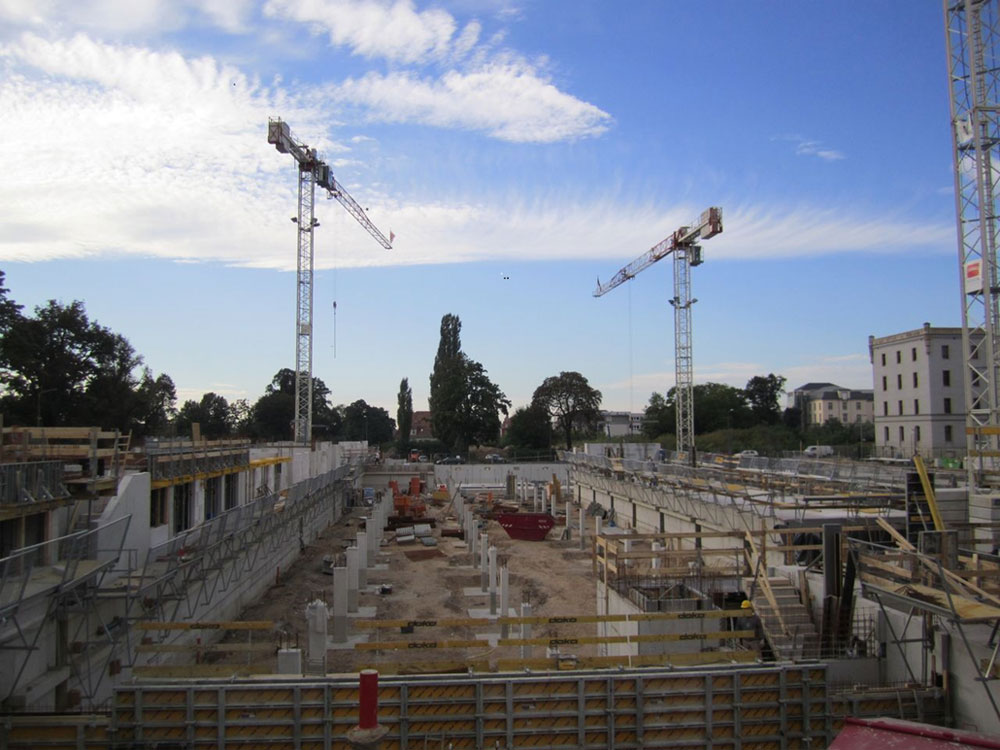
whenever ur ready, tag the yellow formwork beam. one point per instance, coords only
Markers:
(207, 625)
(584, 640)
(454, 622)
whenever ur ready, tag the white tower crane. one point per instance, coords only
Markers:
(682, 243)
(313, 171)
(973, 41)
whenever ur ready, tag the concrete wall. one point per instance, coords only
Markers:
(610, 602)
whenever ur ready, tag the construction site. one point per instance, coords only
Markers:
(189, 593)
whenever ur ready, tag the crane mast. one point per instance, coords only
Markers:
(312, 171)
(686, 253)
(972, 37)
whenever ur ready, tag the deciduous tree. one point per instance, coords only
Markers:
(569, 399)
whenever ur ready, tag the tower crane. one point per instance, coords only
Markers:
(313, 171)
(687, 253)
(973, 38)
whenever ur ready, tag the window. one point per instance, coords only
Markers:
(946, 377)
(886, 433)
(885, 383)
(902, 435)
(212, 497)
(916, 406)
(885, 408)
(899, 381)
(182, 507)
(901, 407)
(158, 507)
(947, 433)
(914, 380)
(916, 434)
(899, 357)
(947, 406)
(945, 352)
(883, 359)
(913, 354)
(230, 491)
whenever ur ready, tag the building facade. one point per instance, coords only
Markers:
(821, 402)
(621, 423)
(919, 392)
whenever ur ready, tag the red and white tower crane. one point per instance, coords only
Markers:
(683, 245)
(313, 171)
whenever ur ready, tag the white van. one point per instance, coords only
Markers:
(818, 451)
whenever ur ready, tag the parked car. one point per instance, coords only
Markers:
(494, 458)
(818, 451)
(451, 460)
(747, 453)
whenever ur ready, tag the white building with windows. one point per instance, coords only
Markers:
(621, 423)
(919, 392)
(821, 402)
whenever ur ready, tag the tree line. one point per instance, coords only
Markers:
(60, 368)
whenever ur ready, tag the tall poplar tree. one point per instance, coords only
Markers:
(404, 414)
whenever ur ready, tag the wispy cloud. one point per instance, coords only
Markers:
(809, 147)
(147, 16)
(506, 100)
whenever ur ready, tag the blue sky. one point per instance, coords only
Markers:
(518, 150)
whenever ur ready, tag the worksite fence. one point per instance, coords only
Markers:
(733, 708)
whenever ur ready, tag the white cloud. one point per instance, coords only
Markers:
(509, 101)
(810, 147)
(126, 16)
(395, 31)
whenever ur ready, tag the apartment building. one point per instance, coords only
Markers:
(821, 402)
(919, 392)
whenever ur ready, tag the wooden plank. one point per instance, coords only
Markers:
(644, 660)
(208, 648)
(452, 622)
(584, 640)
(181, 671)
(222, 625)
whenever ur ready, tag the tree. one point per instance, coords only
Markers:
(48, 363)
(569, 399)
(465, 404)
(530, 429)
(155, 408)
(762, 393)
(370, 423)
(447, 382)
(404, 414)
(480, 407)
(660, 417)
(211, 413)
(272, 415)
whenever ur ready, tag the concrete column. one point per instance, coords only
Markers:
(373, 543)
(569, 521)
(552, 501)
(352, 579)
(493, 580)
(472, 534)
(484, 562)
(316, 623)
(339, 605)
(504, 600)
(583, 515)
(525, 630)
(657, 547)
(362, 542)
(535, 498)
(598, 522)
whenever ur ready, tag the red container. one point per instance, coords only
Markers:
(531, 527)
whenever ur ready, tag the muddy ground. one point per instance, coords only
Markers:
(554, 576)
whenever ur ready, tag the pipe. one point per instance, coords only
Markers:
(368, 699)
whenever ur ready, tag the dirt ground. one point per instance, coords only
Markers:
(554, 576)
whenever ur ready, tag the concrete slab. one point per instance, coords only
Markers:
(364, 613)
(348, 644)
(475, 591)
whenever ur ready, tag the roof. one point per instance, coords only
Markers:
(893, 734)
(817, 387)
